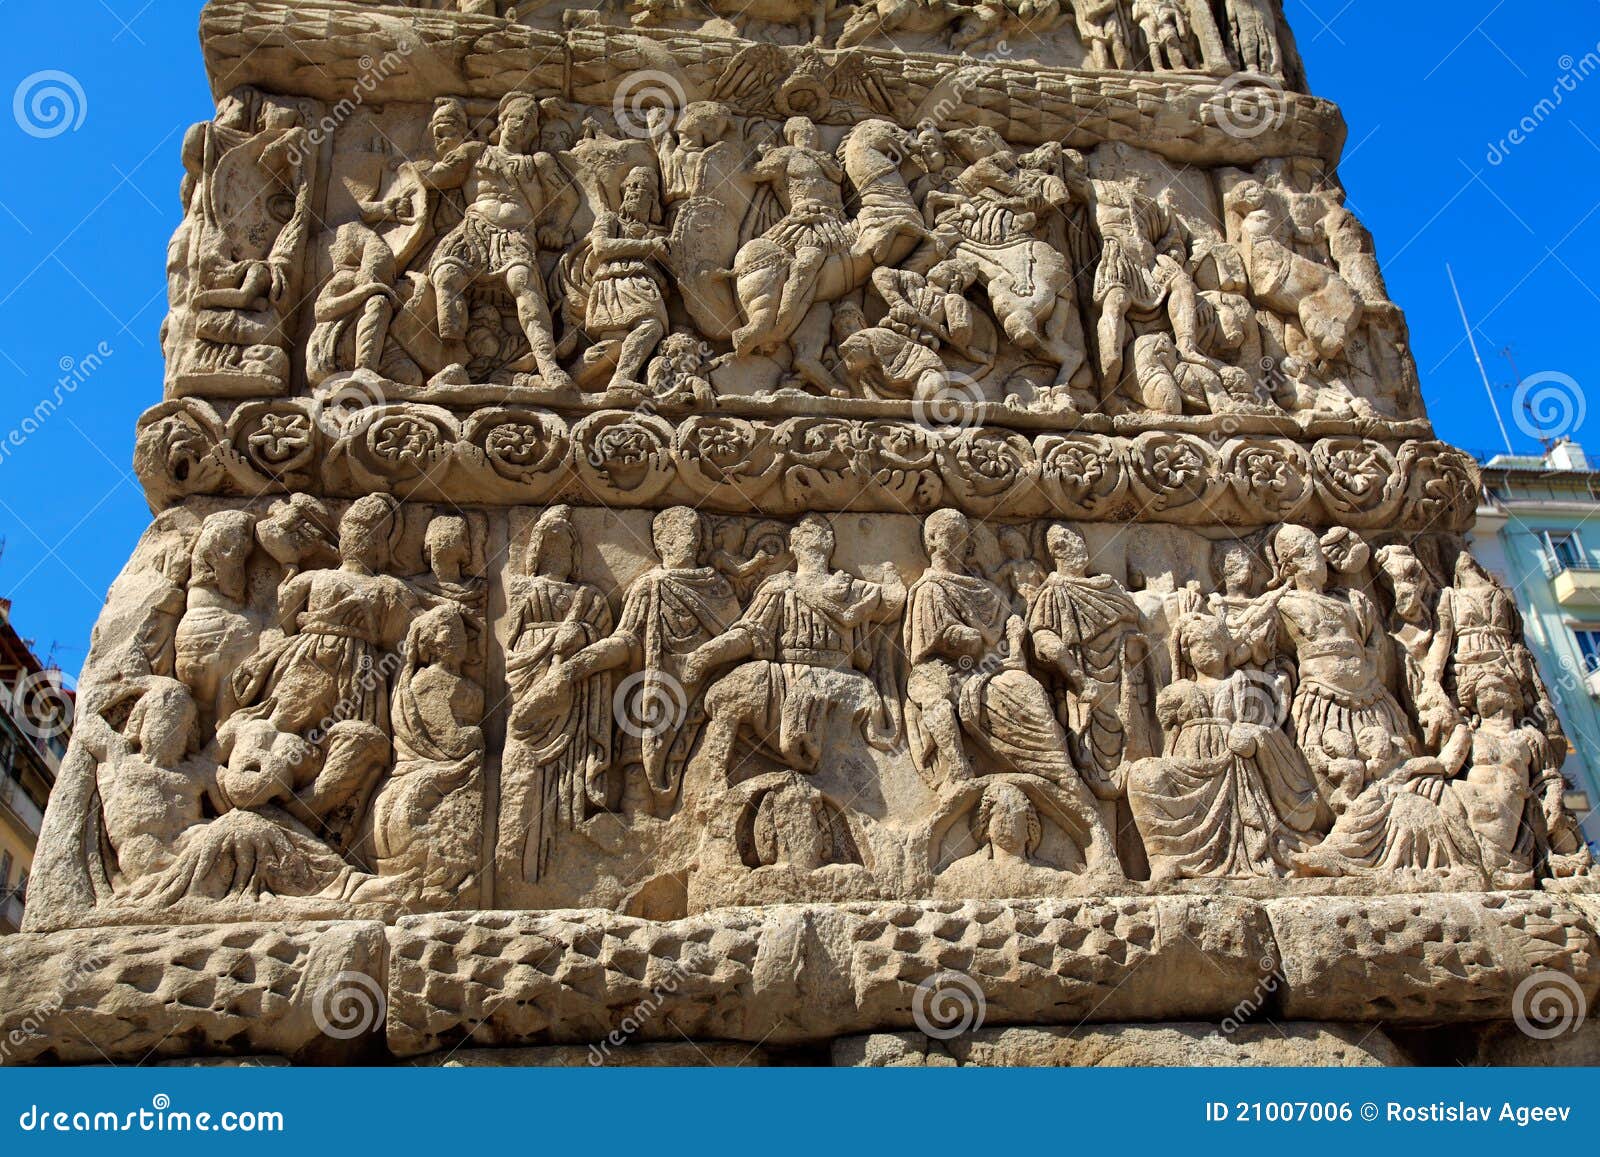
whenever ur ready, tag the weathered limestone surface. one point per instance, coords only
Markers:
(1292, 1044)
(760, 524)
(143, 994)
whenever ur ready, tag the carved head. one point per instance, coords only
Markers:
(1200, 643)
(948, 535)
(802, 133)
(348, 246)
(517, 122)
(553, 547)
(1408, 581)
(1067, 547)
(437, 637)
(449, 125)
(1239, 568)
(221, 551)
(164, 726)
(1251, 195)
(812, 540)
(368, 530)
(1007, 821)
(677, 535)
(1300, 558)
(1346, 551)
(640, 199)
(1493, 692)
(1015, 544)
(703, 123)
(448, 546)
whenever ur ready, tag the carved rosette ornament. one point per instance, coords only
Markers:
(789, 519)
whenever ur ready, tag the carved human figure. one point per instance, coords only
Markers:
(668, 612)
(1021, 573)
(447, 547)
(354, 310)
(625, 308)
(900, 357)
(510, 190)
(1337, 643)
(312, 731)
(806, 651)
(249, 197)
(1229, 796)
(1165, 25)
(1007, 833)
(559, 773)
(993, 220)
(1103, 28)
(1311, 296)
(1086, 632)
(1420, 652)
(427, 816)
(970, 685)
(216, 634)
(1142, 276)
(1354, 252)
(151, 783)
(1253, 29)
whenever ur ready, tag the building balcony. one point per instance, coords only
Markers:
(10, 913)
(1577, 588)
(16, 805)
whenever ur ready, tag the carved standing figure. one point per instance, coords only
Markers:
(624, 283)
(1165, 25)
(558, 771)
(970, 685)
(667, 614)
(1086, 631)
(1103, 28)
(1253, 28)
(511, 193)
(215, 634)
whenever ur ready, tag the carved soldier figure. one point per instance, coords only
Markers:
(1086, 631)
(511, 193)
(1166, 30)
(1253, 27)
(809, 636)
(623, 283)
(900, 357)
(970, 684)
(215, 634)
(354, 311)
(1143, 274)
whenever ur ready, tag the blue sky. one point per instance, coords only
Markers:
(1431, 92)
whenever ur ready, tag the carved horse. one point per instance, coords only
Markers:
(886, 228)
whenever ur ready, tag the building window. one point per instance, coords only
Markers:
(1588, 646)
(1565, 549)
(5, 873)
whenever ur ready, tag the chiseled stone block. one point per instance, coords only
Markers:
(310, 992)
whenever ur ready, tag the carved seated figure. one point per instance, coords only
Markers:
(1230, 796)
(808, 635)
(427, 816)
